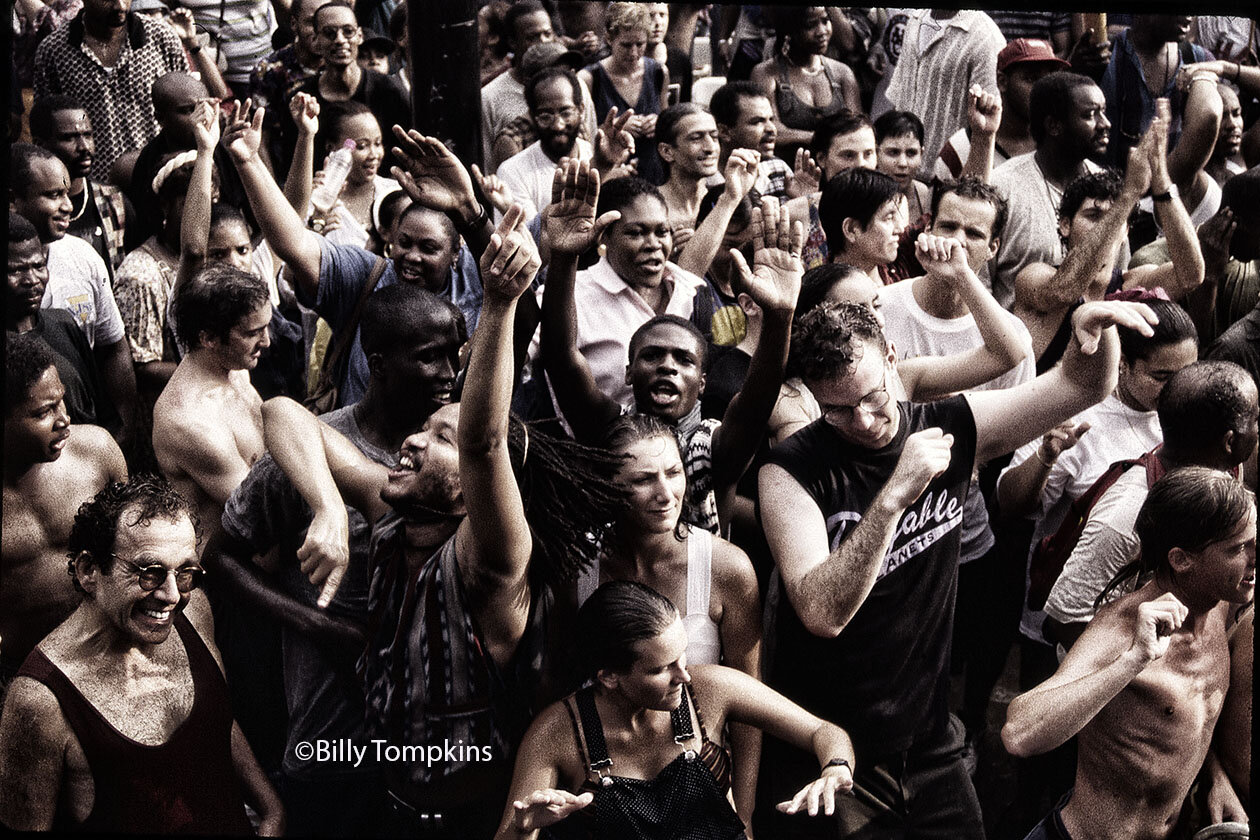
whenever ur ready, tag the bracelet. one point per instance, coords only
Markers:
(476, 224)
(837, 762)
(194, 49)
(1203, 77)
(1164, 196)
(1237, 71)
(1047, 464)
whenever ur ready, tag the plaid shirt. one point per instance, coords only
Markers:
(111, 207)
(118, 99)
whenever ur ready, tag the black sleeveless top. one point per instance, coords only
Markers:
(187, 785)
(686, 801)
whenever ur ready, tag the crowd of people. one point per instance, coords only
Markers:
(690, 460)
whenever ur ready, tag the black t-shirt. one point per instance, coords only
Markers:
(385, 97)
(885, 678)
(723, 381)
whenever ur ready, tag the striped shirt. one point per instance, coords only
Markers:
(243, 29)
(931, 81)
(118, 99)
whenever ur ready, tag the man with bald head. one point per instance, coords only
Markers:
(109, 58)
(175, 99)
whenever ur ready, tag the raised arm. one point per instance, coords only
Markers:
(984, 115)
(1184, 271)
(1089, 264)
(1200, 124)
(1114, 649)
(432, 175)
(569, 228)
(930, 377)
(1009, 418)
(283, 228)
(194, 231)
(494, 542)
(203, 61)
(773, 284)
(304, 109)
(1019, 489)
(740, 173)
(827, 587)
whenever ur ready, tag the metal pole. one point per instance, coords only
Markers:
(445, 73)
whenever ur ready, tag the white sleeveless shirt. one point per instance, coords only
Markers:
(704, 645)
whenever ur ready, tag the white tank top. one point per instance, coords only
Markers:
(704, 645)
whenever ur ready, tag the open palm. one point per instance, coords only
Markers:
(775, 278)
(569, 223)
(430, 173)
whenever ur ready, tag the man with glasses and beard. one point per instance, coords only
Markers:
(554, 97)
(113, 723)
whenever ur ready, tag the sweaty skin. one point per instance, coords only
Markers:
(39, 508)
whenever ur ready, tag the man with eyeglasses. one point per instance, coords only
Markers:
(114, 724)
(51, 466)
(337, 40)
(863, 512)
(554, 96)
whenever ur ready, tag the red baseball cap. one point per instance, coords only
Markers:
(1029, 49)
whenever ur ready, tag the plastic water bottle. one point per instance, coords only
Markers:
(336, 169)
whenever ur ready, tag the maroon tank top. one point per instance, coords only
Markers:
(186, 785)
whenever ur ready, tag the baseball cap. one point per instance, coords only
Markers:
(1028, 49)
(374, 40)
(549, 54)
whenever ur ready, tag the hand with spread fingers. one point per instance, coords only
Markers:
(569, 225)
(614, 143)
(495, 191)
(432, 175)
(243, 135)
(510, 261)
(820, 794)
(775, 279)
(547, 807)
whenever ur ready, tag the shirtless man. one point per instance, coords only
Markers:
(1145, 683)
(207, 425)
(115, 724)
(50, 468)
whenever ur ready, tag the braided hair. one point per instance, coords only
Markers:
(570, 497)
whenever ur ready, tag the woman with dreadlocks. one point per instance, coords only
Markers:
(479, 521)
(638, 753)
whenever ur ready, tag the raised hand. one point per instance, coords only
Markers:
(569, 225)
(943, 257)
(510, 261)
(181, 20)
(741, 171)
(325, 553)
(495, 191)
(1059, 440)
(614, 144)
(547, 807)
(806, 175)
(304, 109)
(431, 174)
(925, 456)
(822, 791)
(244, 132)
(1090, 54)
(1090, 319)
(775, 279)
(1157, 620)
(206, 126)
(984, 110)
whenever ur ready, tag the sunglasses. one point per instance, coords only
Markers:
(152, 576)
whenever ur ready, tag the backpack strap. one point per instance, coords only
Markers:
(334, 361)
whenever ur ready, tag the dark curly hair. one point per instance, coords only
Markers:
(144, 498)
(829, 340)
(26, 358)
(1100, 186)
(214, 302)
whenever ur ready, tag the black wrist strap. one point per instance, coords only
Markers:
(837, 762)
(476, 224)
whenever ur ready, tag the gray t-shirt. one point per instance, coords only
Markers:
(324, 698)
